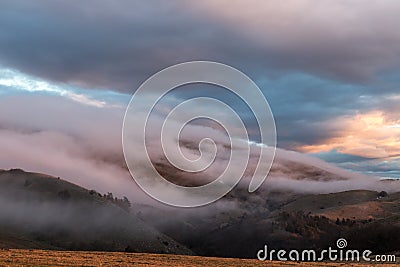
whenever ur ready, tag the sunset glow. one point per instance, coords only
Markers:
(369, 135)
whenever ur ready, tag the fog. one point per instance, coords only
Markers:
(38, 212)
(82, 144)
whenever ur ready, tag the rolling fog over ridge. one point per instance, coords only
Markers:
(90, 153)
(304, 202)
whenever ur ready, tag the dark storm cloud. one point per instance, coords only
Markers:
(100, 43)
(118, 44)
(313, 60)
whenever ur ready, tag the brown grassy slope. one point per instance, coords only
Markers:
(15, 257)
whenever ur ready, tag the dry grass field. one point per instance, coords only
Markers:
(17, 257)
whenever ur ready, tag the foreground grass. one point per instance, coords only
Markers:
(19, 257)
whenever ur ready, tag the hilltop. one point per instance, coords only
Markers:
(40, 211)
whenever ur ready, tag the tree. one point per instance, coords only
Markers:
(382, 194)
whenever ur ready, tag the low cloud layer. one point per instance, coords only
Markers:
(82, 144)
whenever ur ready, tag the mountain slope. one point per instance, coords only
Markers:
(304, 203)
(40, 211)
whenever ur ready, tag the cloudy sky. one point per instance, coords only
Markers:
(329, 69)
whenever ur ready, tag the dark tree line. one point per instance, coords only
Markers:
(123, 202)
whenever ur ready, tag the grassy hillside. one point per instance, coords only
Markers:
(40, 211)
(286, 220)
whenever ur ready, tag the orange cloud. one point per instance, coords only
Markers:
(370, 135)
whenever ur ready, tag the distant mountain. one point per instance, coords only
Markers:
(285, 220)
(304, 203)
(40, 211)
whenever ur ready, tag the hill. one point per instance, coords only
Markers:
(40, 211)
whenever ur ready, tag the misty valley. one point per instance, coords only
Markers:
(40, 211)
